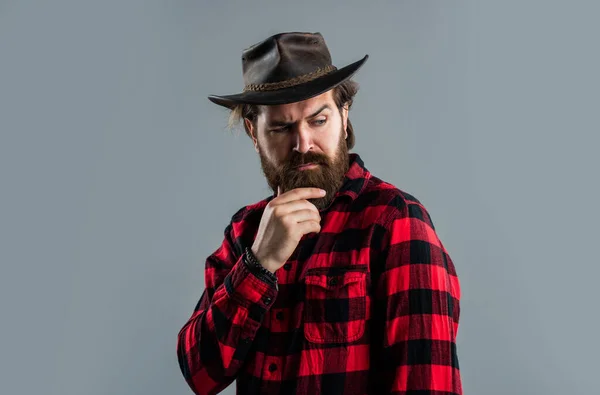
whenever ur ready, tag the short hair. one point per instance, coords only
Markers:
(343, 95)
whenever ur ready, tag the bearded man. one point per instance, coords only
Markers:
(337, 283)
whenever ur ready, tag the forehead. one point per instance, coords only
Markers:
(294, 111)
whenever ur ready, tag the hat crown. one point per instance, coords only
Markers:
(285, 56)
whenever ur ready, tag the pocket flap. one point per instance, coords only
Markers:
(336, 281)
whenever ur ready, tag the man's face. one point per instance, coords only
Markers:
(311, 131)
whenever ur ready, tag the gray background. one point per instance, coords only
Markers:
(118, 176)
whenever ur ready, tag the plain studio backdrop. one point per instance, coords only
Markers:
(118, 176)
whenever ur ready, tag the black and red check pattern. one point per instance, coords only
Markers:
(370, 305)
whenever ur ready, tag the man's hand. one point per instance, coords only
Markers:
(285, 220)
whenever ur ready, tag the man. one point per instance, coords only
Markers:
(335, 284)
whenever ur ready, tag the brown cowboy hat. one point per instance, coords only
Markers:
(287, 68)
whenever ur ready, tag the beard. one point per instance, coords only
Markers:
(328, 175)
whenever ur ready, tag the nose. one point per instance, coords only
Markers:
(303, 140)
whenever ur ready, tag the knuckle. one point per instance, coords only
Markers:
(286, 221)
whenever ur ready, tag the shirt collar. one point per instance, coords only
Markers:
(355, 179)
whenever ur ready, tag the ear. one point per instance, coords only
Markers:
(252, 130)
(344, 115)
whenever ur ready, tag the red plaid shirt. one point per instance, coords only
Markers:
(370, 305)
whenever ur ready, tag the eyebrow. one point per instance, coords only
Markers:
(314, 114)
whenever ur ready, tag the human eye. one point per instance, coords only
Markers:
(280, 129)
(319, 122)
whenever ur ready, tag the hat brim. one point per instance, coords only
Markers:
(294, 93)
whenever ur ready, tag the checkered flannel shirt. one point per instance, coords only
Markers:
(370, 305)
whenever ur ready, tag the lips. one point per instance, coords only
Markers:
(306, 165)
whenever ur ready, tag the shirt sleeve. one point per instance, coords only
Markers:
(417, 296)
(215, 341)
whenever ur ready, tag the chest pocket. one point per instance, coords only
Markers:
(335, 307)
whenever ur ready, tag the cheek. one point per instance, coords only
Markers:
(275, 152)
(334, 133)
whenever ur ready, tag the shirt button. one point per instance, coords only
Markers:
(333, 281)
(279, 315)
(287, 266)
(272, 367)
(267, 300)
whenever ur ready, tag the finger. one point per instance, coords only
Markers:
(305, 215)
(309, 227)
(302, 193)
(292, 206)
(278, 190)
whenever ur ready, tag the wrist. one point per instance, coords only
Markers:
(263, 261)
(257, 268)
